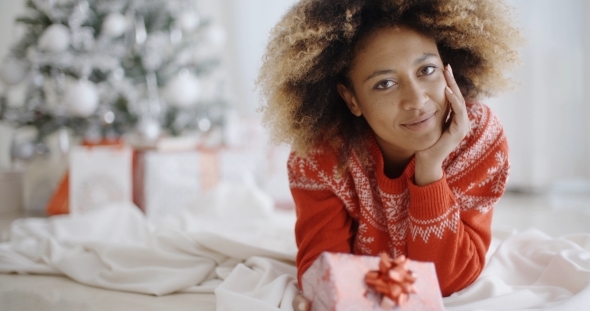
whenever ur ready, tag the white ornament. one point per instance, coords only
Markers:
(183, 90)
(216, 36)
(148, 129)
(108, 117)
(13, 71)
(56, 38)
(64, 141)
(204, 124)
(189, 21)
(114, 25)
(23, 151)
(81, 99)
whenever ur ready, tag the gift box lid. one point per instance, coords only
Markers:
(336, 282)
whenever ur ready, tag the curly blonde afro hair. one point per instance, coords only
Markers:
(311, 49)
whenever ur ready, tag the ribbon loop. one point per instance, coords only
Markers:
(393, 280)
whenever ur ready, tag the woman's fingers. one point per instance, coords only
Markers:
(451, 82)
(300, 303)
(460, 121)
(458, 109)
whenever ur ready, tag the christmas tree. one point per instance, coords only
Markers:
(107, 68)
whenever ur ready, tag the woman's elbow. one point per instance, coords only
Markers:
(461, 277)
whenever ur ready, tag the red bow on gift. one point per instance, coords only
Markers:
(393, 280)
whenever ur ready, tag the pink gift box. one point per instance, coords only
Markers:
(336, 282)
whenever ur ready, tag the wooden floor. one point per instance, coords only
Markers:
(554, 214)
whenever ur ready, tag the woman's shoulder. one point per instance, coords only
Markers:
(479, 112)
(314, 161)
(486, 133)
(484, 122)
(485, 142)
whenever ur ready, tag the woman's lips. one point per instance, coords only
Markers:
(421, 123)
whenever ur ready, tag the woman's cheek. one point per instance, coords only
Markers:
(440, 96)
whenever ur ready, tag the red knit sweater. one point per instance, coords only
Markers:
(364, 212)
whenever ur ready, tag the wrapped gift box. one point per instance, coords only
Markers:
(336, 282)
(166, 182)
(98, 176)
(171, 181)
(11, 190)
(59, 199)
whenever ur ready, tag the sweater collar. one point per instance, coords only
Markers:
(398, 183)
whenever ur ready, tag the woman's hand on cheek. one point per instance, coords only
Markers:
(429, 161)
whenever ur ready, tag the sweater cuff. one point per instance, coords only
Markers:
(432, 200)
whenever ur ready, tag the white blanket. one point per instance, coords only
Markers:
(531, 271)
(236, 246)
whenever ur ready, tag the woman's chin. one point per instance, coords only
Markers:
(427, 142)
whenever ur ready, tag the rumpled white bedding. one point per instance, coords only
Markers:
(238, 247)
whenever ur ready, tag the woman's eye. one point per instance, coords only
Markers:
(428, 70)
(384, 84)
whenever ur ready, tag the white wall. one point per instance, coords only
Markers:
(248, 24)
(586, 111)
(546, 118)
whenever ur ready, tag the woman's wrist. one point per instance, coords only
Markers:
(427, 172)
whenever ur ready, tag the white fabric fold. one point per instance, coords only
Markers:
(113, 247)
(530, 271)
(259, 283)
(116, 247)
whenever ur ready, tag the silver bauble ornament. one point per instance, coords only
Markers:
(216, 36)
(81, 99)
(204, 124)
(114, 25)
(42, 149)
(64, 141)
(117, 74)
(13, 71)
(56, 38)
(189, 21)
(183, 90)
(108, 117)
(148, 129)
(23, 151)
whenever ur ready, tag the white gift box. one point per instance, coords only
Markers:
(11, 191)
(240, 164)
(171, 181)
(168, 182)
(99, 175)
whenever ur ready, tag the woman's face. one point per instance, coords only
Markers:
(398, 86)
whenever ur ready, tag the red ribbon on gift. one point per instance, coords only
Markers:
(393, 279)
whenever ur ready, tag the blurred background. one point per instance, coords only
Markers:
(76, 83)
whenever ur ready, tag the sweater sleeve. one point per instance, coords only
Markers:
(323, 223)
(450, 220)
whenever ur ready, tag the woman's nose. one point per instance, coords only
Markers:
(413, 96)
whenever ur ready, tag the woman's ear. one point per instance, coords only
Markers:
(349, 99)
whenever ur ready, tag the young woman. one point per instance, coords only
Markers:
(392, 152)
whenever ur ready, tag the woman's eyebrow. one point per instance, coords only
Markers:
(424, 57)
(380, 72)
